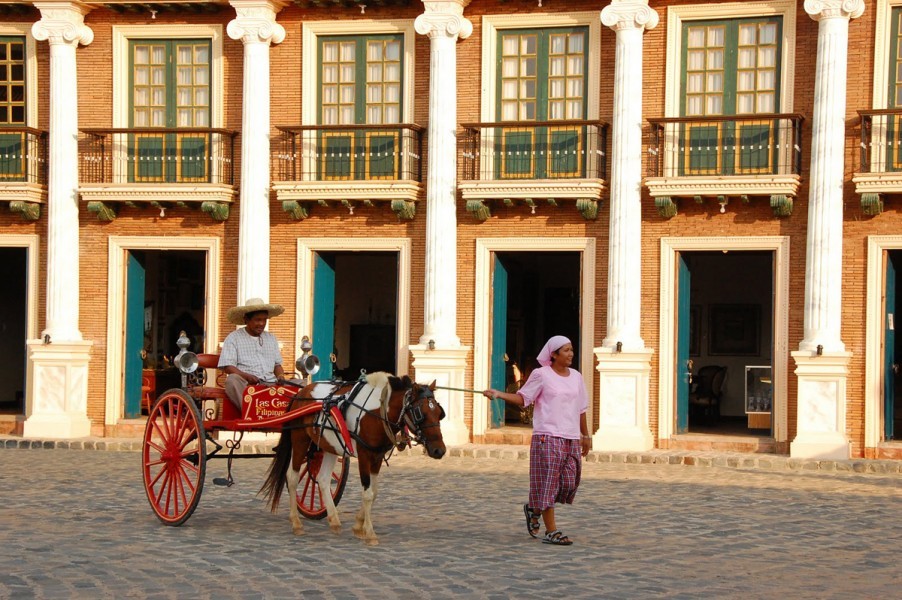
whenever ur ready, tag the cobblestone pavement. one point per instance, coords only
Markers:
(76, 524)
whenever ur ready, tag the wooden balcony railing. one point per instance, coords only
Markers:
(881, 140)
(23, 155)
(760, 144)
(388, 152)
(157, 155)
(522, 150)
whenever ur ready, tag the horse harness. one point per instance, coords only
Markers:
(410, 419)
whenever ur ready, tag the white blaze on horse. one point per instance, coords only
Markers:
(381, 413)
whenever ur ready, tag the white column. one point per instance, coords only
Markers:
(256, 27)
(624, 363)
(822, 360)
(56, 404)
(439, 355)
(444, 23)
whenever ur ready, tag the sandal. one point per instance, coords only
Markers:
(557, 538)
(532, 521)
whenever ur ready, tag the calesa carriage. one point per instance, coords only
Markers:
(322, 425)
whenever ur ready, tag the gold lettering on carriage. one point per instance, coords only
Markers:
(266, 402)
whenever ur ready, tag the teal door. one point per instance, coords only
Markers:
(683, 364)
(324, 313)
(889, 349)
(134, 334)
(499, 338)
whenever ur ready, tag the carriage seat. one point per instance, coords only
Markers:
(215, 391)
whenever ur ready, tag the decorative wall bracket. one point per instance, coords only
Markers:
(298, 209)
(871, 204)
(106, 200)
(298, 196)
(30, 211)
(780, 204)
(587, 207)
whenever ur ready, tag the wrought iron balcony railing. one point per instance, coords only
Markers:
(735, 145)
(522, 150)
(23, 155)
(881, 140)
(158, 155)
(388, 152)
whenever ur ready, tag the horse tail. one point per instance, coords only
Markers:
(276, 477)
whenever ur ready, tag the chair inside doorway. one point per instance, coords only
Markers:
(706, 391)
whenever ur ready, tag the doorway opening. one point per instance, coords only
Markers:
(13, 324)
(355, 313)
(725, 343)
(165, 295)
(535, 295)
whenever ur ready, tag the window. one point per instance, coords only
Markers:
(169, 88)
(894, 93)
(541, 78)
(360, 84)
(13, 143)
(730, 68)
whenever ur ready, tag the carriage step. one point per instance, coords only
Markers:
(226, 481)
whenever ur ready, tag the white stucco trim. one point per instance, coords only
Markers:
(313, 29)
(31, 243)
(115, 337)
(306, 249)
(729, 10)
(31, 68)
(122, 34)
(491, 24)
(485, 248)
(878, 245)
(779, 245)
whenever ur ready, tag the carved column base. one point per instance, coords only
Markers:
(821, 418)
(446, 366)
(57, 398)
(623, 423)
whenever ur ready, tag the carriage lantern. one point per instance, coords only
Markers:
(186, 361)
(308, 363)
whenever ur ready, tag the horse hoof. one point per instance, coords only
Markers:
(372, 542)
(336, 529)
(297, 530)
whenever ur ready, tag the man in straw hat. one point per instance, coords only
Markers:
(250, 354)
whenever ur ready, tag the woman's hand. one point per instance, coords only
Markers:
(586, 445)
(490, 394)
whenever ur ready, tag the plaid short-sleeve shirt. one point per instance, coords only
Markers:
(257, 356)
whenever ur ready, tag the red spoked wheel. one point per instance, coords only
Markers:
(174, 457)
(309, 496)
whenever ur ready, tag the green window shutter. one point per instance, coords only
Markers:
(541, 77)
(13, 145)
(12, 156)
(360, 83)
(169, 86)
(894, 96)
(729, 67)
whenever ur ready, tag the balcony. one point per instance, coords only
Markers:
(23, 170)
(880, 171)
(738, 156)
(348, 166)
(531, 162)
(162, 167)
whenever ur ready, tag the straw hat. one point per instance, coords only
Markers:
(236, 315)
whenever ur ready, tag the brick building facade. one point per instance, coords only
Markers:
(696, 193)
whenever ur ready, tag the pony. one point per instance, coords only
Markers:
(382, 412)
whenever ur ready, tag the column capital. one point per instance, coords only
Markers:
(444, 18)
(256, 21)
(629, 14)
(62, 23)
(834, 9)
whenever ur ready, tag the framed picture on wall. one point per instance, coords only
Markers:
(734, 329)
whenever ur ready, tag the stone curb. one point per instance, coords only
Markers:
(767, 462)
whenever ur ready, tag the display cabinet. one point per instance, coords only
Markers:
(759, 396)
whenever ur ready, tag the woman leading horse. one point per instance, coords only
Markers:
(382, 412)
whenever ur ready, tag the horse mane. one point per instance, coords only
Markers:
(387, 383)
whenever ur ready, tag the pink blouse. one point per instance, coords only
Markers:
(558, 400)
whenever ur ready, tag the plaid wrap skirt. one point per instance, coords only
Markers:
(555, 468)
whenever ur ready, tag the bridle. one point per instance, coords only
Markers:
(412, 412)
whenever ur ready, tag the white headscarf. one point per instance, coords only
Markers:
(553, 345)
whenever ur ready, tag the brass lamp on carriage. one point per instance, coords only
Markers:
(185, 361)
(307, 363)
